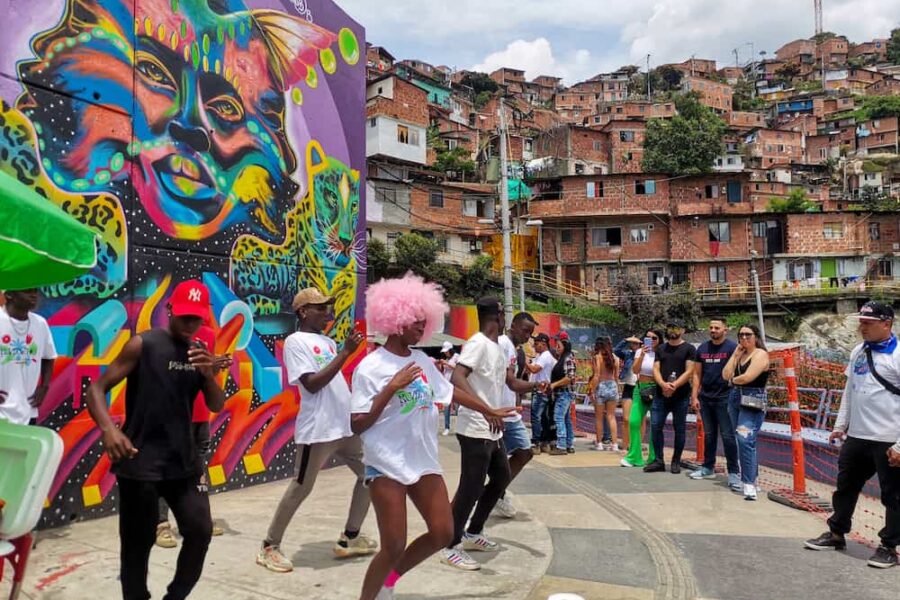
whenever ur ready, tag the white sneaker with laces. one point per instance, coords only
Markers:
(459, 559)
(598, 446)
(445, 432)
(478, 543)
(749, 491)
(505, 509)
(615, 448)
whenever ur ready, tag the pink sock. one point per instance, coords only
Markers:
(391, 580)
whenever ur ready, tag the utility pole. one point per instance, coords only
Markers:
(648, 78)
(504, 213)
(759, 310)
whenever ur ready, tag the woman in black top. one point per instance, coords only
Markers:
(748, 372)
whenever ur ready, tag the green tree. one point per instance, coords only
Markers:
(640, 309)
(378, 260)
(669, 77)
(479, 82)
(482, 98)
(416, 253)
(683, 304)
(457, 161)
(878, 107)
(744, 98)
(823, 37)
(476, 280)
(893, 47)
(787, 72)
(796, 202)
(686, 144)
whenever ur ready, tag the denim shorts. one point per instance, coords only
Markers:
(515, 436)
(607, 391)
(370, 475)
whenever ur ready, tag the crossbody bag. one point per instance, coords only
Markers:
(750, 401)
(887, 384)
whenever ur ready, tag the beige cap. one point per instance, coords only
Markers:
(633, 339)
(310, 296)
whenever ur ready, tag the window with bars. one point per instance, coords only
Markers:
(833, 231)
(436, 199)
(720, 231)
(717, 274)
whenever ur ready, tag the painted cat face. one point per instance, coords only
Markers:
(205, 81)
(335, 189)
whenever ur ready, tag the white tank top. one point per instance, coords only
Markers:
(647, 363)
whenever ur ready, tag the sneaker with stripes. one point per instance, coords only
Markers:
(478, 543)
(459, 559)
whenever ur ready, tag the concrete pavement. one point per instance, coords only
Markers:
(586, 526)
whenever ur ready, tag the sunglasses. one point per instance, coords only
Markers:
(653, 337)
(746, 335)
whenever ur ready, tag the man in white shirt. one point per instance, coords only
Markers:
(27, 354)
(322, 429)
(448, 360)
(484, 371)
(515, 436)
(540, 369)
(869, 424)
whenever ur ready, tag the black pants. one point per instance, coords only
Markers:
(659, 411)
(480, 459)
(857, 462)
(138, 509)
(200, 431)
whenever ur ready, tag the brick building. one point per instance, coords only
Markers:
(626, 145)
(713, 94)
(798, 52)
(833, 51)
(870, 52)
(878, 136)
(630, 109)
(379, 61)
(696, 67)
(575, 150)
(768, 147)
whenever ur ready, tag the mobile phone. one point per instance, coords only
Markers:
(648, 342)
(198, 344)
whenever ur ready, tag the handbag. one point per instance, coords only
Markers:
(753, 402)
(647, 393)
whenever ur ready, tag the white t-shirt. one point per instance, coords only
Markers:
(23, 345)
(546, 361)
(451, 362)
(868, 411)
(325, 415)
(402, 443)
(509, 396)
(488, 379)
(647, 359)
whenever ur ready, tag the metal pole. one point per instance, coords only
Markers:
(648, 78)
(504, 213)
(522, 290)
(759, 310)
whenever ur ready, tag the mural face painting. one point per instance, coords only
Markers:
(211, 139)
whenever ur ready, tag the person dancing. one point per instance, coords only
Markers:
(396, 390)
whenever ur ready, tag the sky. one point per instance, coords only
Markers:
(576, 39)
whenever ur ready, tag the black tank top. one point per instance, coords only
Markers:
(759, 382)
(159, 399)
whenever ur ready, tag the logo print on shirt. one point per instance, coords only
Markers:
(194, 295)
(18, 351)
(861, 365)
(322, 357)
(419, 394)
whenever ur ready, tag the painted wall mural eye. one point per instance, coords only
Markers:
(153, 71)
(226, 108)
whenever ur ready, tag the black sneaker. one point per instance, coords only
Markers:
(675, 468)
(657, 466)
(827, 541)
(570, 450)
(884, 558)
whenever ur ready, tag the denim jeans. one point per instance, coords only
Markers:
(447, 415)
(747, 424)
(661, 408)
(717, 420)
(538, 406)
(562, 415)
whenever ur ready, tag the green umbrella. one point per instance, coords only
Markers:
(40, 244)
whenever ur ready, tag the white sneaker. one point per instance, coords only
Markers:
(599, 446)
(505, 509)
(459, 559)
(478, 543)
(615, 448)
(446, 432)
(626, 463)
(386, 593)
(749, 491)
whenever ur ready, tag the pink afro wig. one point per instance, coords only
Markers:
(392, 304)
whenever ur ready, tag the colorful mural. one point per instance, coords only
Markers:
(219, 139)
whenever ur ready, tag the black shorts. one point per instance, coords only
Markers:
(627, 391)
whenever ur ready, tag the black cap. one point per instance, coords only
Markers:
(489, 306)
(542, 337)
(675, 324)
(876, 311)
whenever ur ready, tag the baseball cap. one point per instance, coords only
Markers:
(190, 299)
(542, 337)
(675, 324)
(309, 296)
(562, 336)
(876, 311)
(446, 347)
(633, 339)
